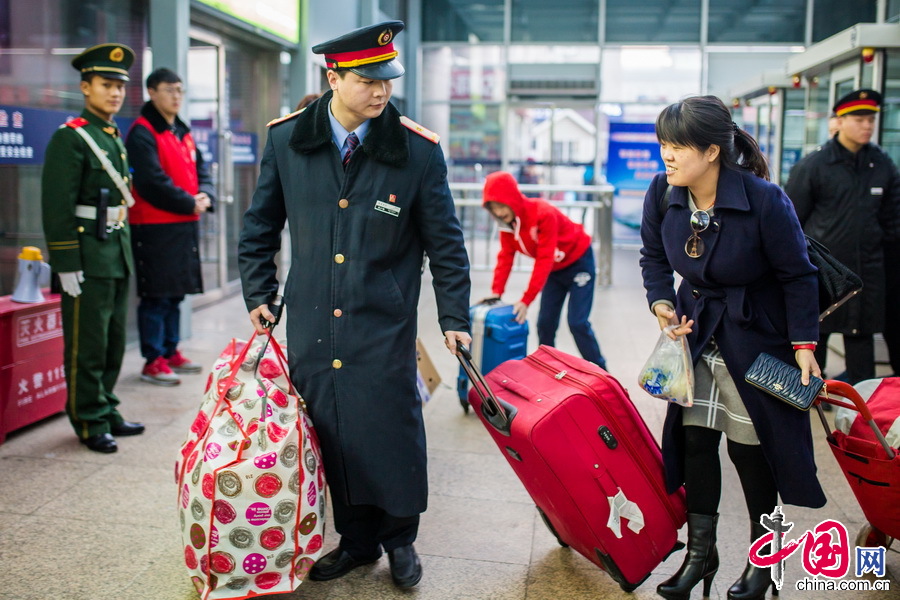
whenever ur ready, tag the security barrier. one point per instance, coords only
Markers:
(590, 205)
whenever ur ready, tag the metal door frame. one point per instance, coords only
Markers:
(223, 165)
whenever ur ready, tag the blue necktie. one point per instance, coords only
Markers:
(352, 143)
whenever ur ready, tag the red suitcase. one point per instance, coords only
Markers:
(572, 435)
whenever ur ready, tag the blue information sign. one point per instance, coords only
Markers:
(632, 162)
(243, 145)
(25, 132)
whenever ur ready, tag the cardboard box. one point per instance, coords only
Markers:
(427, 378)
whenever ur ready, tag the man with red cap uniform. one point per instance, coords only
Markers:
(847, 196)
(364, 192)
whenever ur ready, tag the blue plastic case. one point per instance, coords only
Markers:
(496, 338)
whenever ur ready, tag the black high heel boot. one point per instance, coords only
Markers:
(701, 562)
(754, 581)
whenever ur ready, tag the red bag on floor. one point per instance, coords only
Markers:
(250, 479)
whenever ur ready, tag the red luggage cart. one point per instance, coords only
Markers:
(872, 468)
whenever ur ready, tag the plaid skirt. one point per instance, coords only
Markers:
(717, 404)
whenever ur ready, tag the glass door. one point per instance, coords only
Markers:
(552, 143)
(844, 80)
(207, 108)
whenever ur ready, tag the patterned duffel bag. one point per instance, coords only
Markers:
(250, 479)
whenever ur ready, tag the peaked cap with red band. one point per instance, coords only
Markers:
(860, 102)
(368, 51)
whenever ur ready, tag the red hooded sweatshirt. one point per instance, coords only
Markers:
(540, 231)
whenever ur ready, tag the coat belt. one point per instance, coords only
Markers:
(114, 214)
(735, 297)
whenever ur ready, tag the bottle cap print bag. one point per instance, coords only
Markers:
(250, 479)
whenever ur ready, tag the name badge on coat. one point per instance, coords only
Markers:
(388, 209)
(877, 191)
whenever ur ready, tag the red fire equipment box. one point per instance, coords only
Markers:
(32, 380)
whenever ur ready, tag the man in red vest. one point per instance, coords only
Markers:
(172, 188)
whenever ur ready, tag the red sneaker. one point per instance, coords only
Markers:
(158, 372)
(181, 364)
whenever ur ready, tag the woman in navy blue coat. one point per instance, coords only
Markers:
(747, 287)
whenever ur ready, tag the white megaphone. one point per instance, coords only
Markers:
(33, 273)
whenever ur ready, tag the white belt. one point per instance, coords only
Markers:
(114, 214)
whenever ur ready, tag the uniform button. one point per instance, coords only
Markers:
(337, 364)
(339, 258)
(123, 156)
(695, 293)
(715, 226)
(338, 312)
(80, 229)
(343, 203)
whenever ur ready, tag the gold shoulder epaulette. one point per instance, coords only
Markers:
(425, 133)
(285, 117)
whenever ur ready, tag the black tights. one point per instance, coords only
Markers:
(703, 474)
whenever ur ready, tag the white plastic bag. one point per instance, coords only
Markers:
(668, 373)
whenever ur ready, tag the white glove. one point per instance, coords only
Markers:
(71, 282)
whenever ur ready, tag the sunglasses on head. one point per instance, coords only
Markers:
(694, 245)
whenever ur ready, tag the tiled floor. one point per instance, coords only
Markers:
(75, 525)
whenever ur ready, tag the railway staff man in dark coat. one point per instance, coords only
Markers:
(172, 188)
(847, 196)
(84, 202)
(364, 191)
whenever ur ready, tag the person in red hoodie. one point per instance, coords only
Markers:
(563, 262)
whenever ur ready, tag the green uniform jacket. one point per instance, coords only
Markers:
(73, 175)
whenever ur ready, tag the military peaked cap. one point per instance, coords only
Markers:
(368, 51)
(108, 60)
(859, 102)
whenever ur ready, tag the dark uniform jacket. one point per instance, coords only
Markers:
(755, 290)
(358, 238)
(76, 177)
(166, 250)
(848, 202)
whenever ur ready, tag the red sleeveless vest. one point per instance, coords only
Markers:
(178, 159)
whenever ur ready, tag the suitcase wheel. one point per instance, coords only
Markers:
(613, 571)
(869, 537)
(550, 527)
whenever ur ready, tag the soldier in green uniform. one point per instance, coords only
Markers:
(84, 200)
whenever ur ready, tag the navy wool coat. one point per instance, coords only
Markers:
(755, 290)
(358, 239)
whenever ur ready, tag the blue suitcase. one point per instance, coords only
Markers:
(496, 338)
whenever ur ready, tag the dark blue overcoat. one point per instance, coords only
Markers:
(357, 243)
(755, 290)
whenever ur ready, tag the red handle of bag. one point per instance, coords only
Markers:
(848, 392)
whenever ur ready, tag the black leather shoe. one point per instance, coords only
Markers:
(406, 569)
(127, 428)
(337, 563)
(102, 442)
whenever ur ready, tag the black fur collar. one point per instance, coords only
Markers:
(386, 141)
(149, 112)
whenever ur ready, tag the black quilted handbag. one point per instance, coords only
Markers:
(837, 283)
(782, 380)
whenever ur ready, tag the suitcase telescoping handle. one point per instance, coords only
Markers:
(490, 406)
(848, 392)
